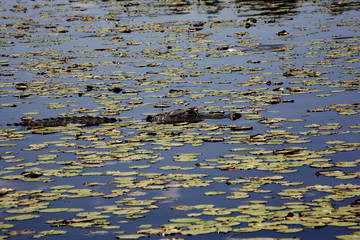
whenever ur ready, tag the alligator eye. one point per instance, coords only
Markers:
(234, 115)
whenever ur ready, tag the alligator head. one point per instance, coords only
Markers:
(190, 115)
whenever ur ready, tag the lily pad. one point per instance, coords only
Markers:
(21, 217)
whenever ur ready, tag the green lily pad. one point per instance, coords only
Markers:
(321, 165)
(131, 236)
(21, 217)
(212, 193)
(351, 236)
(49, 232)
(185, 220)
(197, 231)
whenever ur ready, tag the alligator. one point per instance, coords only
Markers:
(84, 120)
(190, 115)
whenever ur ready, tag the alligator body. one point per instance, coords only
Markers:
(87, 121)
(190, 115)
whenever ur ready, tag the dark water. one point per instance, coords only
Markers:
(239, 56)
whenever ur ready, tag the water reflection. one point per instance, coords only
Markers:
(266, 47)
(172, 193)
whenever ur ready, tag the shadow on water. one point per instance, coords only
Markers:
(339, 7)
(266, 8)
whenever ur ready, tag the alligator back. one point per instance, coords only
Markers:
(87, 121)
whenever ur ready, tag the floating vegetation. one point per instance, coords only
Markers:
(265, 141)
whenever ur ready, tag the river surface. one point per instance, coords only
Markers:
(288, 168)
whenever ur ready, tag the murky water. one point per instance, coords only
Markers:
(287, 169)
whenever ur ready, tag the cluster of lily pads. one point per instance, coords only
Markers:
(288, 166)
